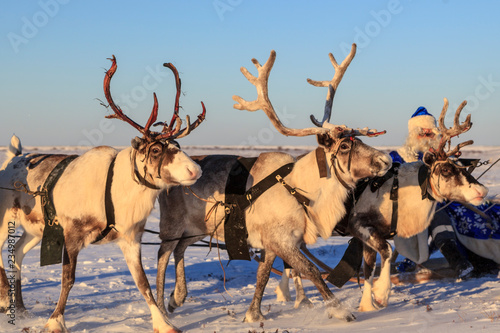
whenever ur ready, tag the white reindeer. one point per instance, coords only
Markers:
(132, 178)
(370, 221)
(276, 221)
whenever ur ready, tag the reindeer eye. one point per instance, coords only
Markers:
(156, 150)
(345, 146)
(446, 170)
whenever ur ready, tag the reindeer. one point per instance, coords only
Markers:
(276, 221)
(370, 220)
(94, 187)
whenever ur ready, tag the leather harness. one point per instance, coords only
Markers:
(237, 200)
(53, 233)
(108, 205)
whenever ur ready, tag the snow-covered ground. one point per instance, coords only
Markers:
(105, 298)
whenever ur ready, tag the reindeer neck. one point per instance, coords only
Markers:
(327, 194)
(126, 192)
(417, 212)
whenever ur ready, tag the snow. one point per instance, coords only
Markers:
(105, 298)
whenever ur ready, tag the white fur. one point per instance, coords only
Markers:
(79, 196)
(275, 222)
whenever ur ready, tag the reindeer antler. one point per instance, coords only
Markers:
(118, 111)
(263, 103)
(168, 132)
(457, 129)
(177, 133)
(332, 84)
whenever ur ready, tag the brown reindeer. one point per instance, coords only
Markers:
(276, 221)
(97, 187)
(370, 220)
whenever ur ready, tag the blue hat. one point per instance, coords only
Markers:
(421, 111)
(421, 119)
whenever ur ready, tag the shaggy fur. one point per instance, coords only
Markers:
(78, 198)
(371, 219)
(276, 222)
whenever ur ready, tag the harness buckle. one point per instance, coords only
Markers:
(54, 221)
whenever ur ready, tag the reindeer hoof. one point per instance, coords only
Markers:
(22, 313)
(368, 307)
(380, 303)
(253, 317)
(303, 303)
(340, 313)
(172, 330)
(56, 325)
(350, 317)
(346, 316)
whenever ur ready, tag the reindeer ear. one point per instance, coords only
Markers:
(138, 143)
(324, 140)
(429, 158)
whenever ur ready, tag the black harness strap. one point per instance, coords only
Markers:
(238, 199)
(255, 191)
(394, 198)
(424, 173)
(144, 182)
(53, 233)
(235, 231)
(352, 197)
(349, 265)
(108, 205)
(377, 182)
(321, 161)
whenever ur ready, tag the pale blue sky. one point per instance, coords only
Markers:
(410, 53)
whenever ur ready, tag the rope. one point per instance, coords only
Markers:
(488, 168)
(213, 209)
(21, 187)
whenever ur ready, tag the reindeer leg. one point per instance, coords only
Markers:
(301, 297)
(283, 289)
(56, 323)
(254, 313)
(370, 257)
(132, 251)
(23, 245)
(371, 237)
(179, 294)
(382, 287)
(164, 252)
(298, 261)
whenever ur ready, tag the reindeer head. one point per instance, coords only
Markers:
(351, 159)
(448, 178)
(157, 160)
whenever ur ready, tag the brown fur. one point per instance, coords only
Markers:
(276, 222)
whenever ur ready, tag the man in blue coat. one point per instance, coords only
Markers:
(422, 135)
